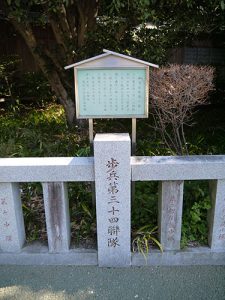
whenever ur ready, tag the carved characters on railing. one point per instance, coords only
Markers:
(222, 224)
(4, 209)
(171, 210)
(113, 202)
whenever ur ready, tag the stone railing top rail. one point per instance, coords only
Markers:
(46, 169)
(55, 169)
(178, 167)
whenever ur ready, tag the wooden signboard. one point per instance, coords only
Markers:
(111, 85)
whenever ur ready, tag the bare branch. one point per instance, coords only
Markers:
(175, 91)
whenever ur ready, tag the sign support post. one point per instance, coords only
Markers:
(134, 134)
(91, 139)
(133, 152)
(91, 134)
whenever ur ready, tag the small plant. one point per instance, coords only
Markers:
(144, 238)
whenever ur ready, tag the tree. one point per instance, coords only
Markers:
(82, 28)
(68, 22)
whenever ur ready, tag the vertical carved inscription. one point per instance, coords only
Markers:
(12, 232)
(170, 214)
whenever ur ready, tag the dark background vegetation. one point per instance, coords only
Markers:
(37, 112)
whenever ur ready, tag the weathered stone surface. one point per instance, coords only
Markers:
(190, 256)
(46, 169)
(170, 214)
(191, 167)
(113, 181)
(37, 254)
(57, 216)
(12, 232)
(217, 215)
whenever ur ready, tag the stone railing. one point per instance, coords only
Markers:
(112, 169)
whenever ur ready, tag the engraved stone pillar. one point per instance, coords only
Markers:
(57, 216)
(113, 208)
(12, 232)
(170, 214)
(217, 215)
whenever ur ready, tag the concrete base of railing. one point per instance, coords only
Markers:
(189, 256)
(37, 254)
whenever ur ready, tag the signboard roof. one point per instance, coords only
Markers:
(110, 53)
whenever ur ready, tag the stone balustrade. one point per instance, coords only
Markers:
(112, 169)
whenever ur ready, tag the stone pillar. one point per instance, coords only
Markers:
(113, 207)
(170, 214)
(216, 237)
(57, 216)
(12, 231)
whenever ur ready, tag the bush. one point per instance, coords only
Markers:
(175, 91)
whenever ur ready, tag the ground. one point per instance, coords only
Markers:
(70, 282)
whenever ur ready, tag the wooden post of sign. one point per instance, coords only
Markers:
(91, 134)
(91, 139)
(134, 130)
(133, 151)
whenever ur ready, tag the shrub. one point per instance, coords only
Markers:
(175, 91)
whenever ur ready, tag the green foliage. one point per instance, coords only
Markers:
(172, 17)
(196, 205)
(82, 214)
(144, 205)
(32, 88)
(33, 211)
(146, 29)
(8, 73)
(40, 132)
(144, 211)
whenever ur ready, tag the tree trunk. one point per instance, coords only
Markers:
(70, 110)
(69, 26)
(53, 77)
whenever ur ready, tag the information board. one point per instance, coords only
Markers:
(111, 93)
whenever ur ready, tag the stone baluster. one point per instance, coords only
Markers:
(57, 216)
(216, 237)
(170, 214)
(12, 231)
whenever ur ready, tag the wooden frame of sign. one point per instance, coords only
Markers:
(111, 85)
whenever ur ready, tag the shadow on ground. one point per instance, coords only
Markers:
(70, 282)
